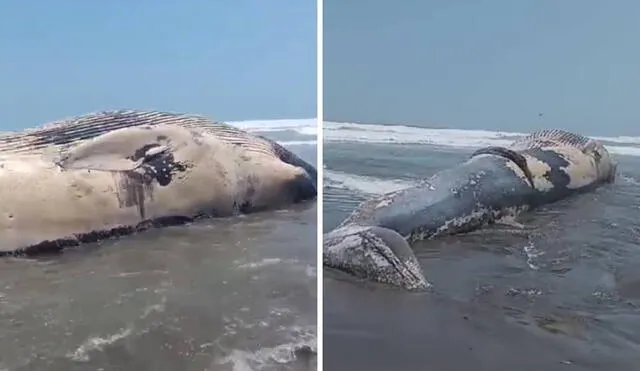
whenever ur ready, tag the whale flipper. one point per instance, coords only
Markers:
(374, 253)
(123, 149)
(110, 161)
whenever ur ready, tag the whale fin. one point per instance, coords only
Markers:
(375, 253)
(553, 138)
(120, 150)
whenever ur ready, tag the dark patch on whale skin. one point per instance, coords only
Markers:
(162, 168)
(58, 245)
(141, 152)
(137, 185)
(244, 208)
(597, 156)
(557, 176)
(300, 189)
(132, 191)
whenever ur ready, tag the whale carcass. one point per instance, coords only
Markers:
(114, 173)
(495, 182)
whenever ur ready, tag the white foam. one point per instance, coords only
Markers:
(81, 354)
(532, 252)
(620, 139)
(311, 271)
(629, 180)
(401, 134)
(299, 143)
(363, 184)
(301, 126)
(268, 357)
(624, 150)
(259, 264)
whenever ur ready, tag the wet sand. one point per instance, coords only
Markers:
(381, 329)
(228, 294)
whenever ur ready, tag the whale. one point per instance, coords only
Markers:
(93, 178)
(53, 138)
(494, 185)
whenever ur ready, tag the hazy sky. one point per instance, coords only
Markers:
(484, 64)
(231, 60)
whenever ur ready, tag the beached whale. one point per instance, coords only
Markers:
(115, 173)
(494, 183)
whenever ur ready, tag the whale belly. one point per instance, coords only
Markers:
(39, 203)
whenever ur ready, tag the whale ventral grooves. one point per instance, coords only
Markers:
(509, 154)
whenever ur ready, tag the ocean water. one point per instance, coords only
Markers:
(227, 294)
(561, 294)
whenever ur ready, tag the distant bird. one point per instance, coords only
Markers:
(540, 114)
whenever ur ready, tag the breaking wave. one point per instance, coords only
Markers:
(401, 134)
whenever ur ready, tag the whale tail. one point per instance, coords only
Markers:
(373, 253)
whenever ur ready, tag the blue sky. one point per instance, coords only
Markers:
(484, 64)
(230, 60)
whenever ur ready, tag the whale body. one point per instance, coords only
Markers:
(115, 173)
(494, 183)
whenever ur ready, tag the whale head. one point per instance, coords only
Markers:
(373, 253)
(606, 165)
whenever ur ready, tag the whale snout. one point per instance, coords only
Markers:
(373, 253)
(303, 188)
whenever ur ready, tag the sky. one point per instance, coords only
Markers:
(229, 60)
(490, 64)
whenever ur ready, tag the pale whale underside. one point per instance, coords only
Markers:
(49, 147)
(54, 138)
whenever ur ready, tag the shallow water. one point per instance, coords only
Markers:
(224, 294)
(565, 291)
